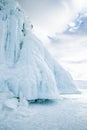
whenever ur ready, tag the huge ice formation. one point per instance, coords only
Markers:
(26, 67)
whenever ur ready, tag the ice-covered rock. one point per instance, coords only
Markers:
(26, 67)
(11, 103)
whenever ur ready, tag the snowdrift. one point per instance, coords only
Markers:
(26, 67)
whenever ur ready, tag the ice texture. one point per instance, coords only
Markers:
(26, 67)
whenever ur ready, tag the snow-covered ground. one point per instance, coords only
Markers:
(67, 113)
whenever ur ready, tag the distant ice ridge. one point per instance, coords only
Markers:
(79, 24)
(26, 68)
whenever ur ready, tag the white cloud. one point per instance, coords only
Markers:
(79, 4)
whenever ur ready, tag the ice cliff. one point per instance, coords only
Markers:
(26, 67)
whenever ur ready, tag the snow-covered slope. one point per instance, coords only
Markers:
(79, 24)
(26, 68)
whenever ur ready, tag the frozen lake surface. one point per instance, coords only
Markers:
(69, 112)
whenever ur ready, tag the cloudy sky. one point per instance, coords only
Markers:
(50, 16)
